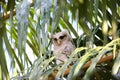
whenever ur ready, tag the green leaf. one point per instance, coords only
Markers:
(3, 63)
(69, 26)
(116, 65)
(11, 51)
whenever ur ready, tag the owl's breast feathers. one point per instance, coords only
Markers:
(65, 48)
(63, 51)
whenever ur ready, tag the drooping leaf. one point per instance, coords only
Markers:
(22, 17)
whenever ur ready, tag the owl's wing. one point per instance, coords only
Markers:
(66, 50)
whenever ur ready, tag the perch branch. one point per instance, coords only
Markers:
(107, 58)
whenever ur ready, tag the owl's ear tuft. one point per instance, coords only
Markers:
(69, 36)
(65, 31)
(51, 36)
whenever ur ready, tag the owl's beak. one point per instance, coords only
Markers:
(59, 42)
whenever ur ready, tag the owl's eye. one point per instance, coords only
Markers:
(55, 39)
(61, 37)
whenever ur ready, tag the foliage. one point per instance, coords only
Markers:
(26, 50)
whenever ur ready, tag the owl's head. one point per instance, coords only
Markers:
(61, 37)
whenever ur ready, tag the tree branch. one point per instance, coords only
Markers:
(107, 58)
(6, 16)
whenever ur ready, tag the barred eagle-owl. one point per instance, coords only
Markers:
(62, 45)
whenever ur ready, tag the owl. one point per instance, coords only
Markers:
(62, 45)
